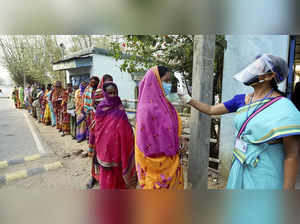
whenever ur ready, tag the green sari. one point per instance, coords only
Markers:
(261, 166)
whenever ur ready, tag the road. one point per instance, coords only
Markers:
(17, 136)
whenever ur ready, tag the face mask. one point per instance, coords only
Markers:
(167, 87)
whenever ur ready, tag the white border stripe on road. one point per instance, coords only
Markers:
(35, 137)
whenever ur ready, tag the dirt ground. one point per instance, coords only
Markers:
(215, 182)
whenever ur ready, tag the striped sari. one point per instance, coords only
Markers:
(260, 166)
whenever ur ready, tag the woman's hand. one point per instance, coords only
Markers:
(182, 89)
(132, 182)
(291, 161)
(91, 154)
(183, 143)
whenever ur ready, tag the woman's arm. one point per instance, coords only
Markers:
(218, 109)
(291, 161)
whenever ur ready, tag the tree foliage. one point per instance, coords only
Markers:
(145, 51)
(173, 51)
(79, 42)
(31, 56)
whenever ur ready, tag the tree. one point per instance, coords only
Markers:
(30, 56)
(145, 51)
(80, 42)
(140, 52)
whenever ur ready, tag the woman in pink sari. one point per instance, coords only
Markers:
(114, 142)
(158, 131)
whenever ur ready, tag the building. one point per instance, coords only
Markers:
(89, 62)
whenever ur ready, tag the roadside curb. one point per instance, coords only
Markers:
(29, 172)
(4, 164)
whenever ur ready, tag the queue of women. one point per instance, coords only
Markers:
(267, 124)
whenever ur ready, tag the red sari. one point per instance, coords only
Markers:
(114, 145)
(57, 106)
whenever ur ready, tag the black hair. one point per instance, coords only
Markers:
(275, 87)
(106, 77)
(70, 84)
(296, 96)
(107, 84)
(162, 70)
(95, 78)
(49, 86)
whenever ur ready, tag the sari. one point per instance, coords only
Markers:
(57, 106)
(261, 165)
(47, 113)
(21, 97)
(88, 107)
(43, 102)
(38, 105)
(15, 97)
(96, 97)
(81, 130)
(158, 127)
(114, 144)
(71, 110)
(32, 97)
(65, 117)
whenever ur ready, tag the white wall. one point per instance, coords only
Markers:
(108, 65)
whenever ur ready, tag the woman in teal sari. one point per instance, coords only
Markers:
(49, 100)
(266, 149)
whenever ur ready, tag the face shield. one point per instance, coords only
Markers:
(265, 64)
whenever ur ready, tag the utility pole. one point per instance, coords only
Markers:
(62, 46)
(200, 124)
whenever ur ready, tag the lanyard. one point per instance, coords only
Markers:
(270, 93)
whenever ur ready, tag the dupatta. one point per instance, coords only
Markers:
(158, 123)
(114, 136)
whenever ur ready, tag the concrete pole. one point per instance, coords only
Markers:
(200, 124)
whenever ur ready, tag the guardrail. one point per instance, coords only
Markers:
(131, 105)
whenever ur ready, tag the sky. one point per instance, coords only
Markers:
(4, 75)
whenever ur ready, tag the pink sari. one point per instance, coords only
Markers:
(114, 144)
(157, 137)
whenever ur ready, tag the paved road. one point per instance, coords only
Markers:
(16, 138)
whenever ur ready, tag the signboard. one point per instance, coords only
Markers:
(64, 65)
(77, 63)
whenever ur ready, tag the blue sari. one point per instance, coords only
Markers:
(261, 166)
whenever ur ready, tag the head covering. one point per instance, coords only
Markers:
(96, 78)
(114, 143)
(112, 103)
(262, 65)
(99, 93)
(82, 87)
(158, 127)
